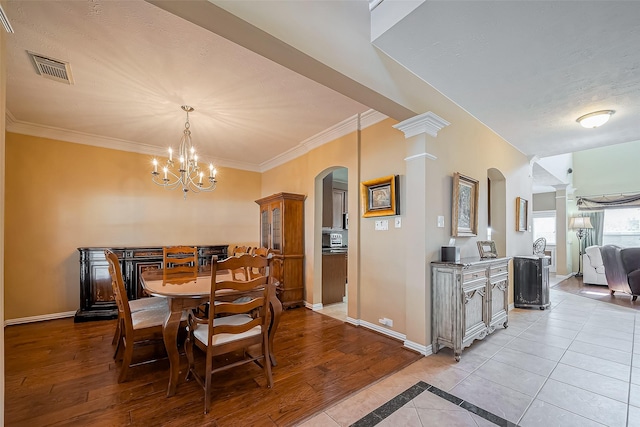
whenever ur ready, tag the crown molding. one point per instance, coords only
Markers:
(345, 127)
(370, 118)
(419, 156)
(352, 124)
(50, 132)
(429, 123)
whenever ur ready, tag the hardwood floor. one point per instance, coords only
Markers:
(62, 373)
(576, 286)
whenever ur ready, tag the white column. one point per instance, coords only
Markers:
(419, 131)
(563, 259)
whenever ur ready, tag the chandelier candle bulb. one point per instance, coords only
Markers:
(189, 176)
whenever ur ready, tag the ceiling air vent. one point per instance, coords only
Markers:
(50, 68)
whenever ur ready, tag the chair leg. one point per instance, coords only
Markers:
(207, 384)
(635, 297)
(188, 349)
(116, 335)
(267, 361)
(126, 361)
(118, 343)
(612, 292)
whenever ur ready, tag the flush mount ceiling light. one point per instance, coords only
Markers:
(595, 119)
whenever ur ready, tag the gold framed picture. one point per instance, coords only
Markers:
(380, 196)
(464, 215)
(522, 209)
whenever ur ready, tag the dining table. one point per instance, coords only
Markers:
(187, 291)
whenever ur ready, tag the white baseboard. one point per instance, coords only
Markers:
(382, 330)
(314, 307)
(422, 349)
(40, 318)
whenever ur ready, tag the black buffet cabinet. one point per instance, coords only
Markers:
(531, 281)
(96, 295)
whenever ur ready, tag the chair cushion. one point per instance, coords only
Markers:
(153, 316)
(595, 258)
(201, 331)
(146, 303)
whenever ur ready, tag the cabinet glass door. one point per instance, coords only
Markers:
(276, 236)
(264, 228)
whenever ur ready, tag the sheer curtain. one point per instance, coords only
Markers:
(593, 236)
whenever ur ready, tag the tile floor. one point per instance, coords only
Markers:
(574, 364)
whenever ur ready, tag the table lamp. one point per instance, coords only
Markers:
(580, 224)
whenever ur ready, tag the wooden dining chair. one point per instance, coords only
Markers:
(180, 259)
(143, 326)
(240, 273)
(263, 252)
(232, 326)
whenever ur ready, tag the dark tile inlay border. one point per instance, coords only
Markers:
(382, 412)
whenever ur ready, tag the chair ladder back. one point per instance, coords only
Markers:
(180, 259)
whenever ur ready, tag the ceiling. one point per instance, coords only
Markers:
(134, 65)
(527, 69)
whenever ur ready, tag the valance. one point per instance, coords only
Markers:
(608, 202)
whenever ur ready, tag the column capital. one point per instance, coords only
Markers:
(428, 123)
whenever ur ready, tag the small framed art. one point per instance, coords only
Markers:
(380, 196)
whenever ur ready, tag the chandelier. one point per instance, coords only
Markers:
(189, 176)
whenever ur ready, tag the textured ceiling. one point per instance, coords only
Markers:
(528, 69)
(134, 65)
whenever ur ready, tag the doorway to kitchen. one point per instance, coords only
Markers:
(335, 244)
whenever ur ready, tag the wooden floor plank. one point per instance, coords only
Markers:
(62, 373)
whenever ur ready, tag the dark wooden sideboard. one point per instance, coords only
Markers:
(96, 295)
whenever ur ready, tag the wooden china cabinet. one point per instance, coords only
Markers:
(282, 230)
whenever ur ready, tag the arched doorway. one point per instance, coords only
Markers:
(331, 289)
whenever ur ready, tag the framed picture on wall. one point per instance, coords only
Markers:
(464, 216)
(380, 196)
(522, 208)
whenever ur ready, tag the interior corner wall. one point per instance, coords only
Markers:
(300, 176)
(604, 171)
(544, 201)
(61, 196)
(3, 114)
(607, 170)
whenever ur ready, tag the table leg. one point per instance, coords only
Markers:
(276, 311)
(170, 336)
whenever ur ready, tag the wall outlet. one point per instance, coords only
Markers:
(398, 222)
(382, 224)
(385, 321)
(440, 221)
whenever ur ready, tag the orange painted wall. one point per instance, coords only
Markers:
(61, 196)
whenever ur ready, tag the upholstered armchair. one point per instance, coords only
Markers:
(593, 267)
(622, 269)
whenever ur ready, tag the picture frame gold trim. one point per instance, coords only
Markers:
(522, 214)
(464, 212)
(380, 196)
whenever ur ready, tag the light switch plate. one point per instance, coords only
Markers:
(440, 221)
(398, 222)
(382, 224)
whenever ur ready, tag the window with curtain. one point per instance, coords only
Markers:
(544, 225)
(621, 227)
